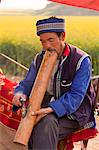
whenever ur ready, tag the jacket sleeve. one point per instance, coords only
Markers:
(25, 86)
(70, 101)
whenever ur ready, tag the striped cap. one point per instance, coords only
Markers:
(51, 24)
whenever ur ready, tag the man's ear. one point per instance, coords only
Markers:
(62, 37)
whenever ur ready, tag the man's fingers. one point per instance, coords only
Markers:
(16, 101)
(42, 111)
(39, 112)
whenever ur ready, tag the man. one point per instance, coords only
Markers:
(69, 98)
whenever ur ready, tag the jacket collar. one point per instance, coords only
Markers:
(66, 51)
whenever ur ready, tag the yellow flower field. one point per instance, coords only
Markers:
(18, 36)
(80, 30)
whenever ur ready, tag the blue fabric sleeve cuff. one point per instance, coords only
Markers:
(60, 110)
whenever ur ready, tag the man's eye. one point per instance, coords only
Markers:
(51, 40)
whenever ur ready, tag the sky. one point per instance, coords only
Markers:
(23, 4)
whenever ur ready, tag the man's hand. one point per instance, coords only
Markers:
(42, 113)
(16, 99)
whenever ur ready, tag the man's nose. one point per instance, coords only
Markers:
(47, 45)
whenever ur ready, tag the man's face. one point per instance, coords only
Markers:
(51, 40)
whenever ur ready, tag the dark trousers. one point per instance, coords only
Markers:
(49, 131)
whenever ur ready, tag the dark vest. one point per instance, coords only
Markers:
(69, 68)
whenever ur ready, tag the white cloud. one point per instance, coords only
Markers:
(24, 4)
